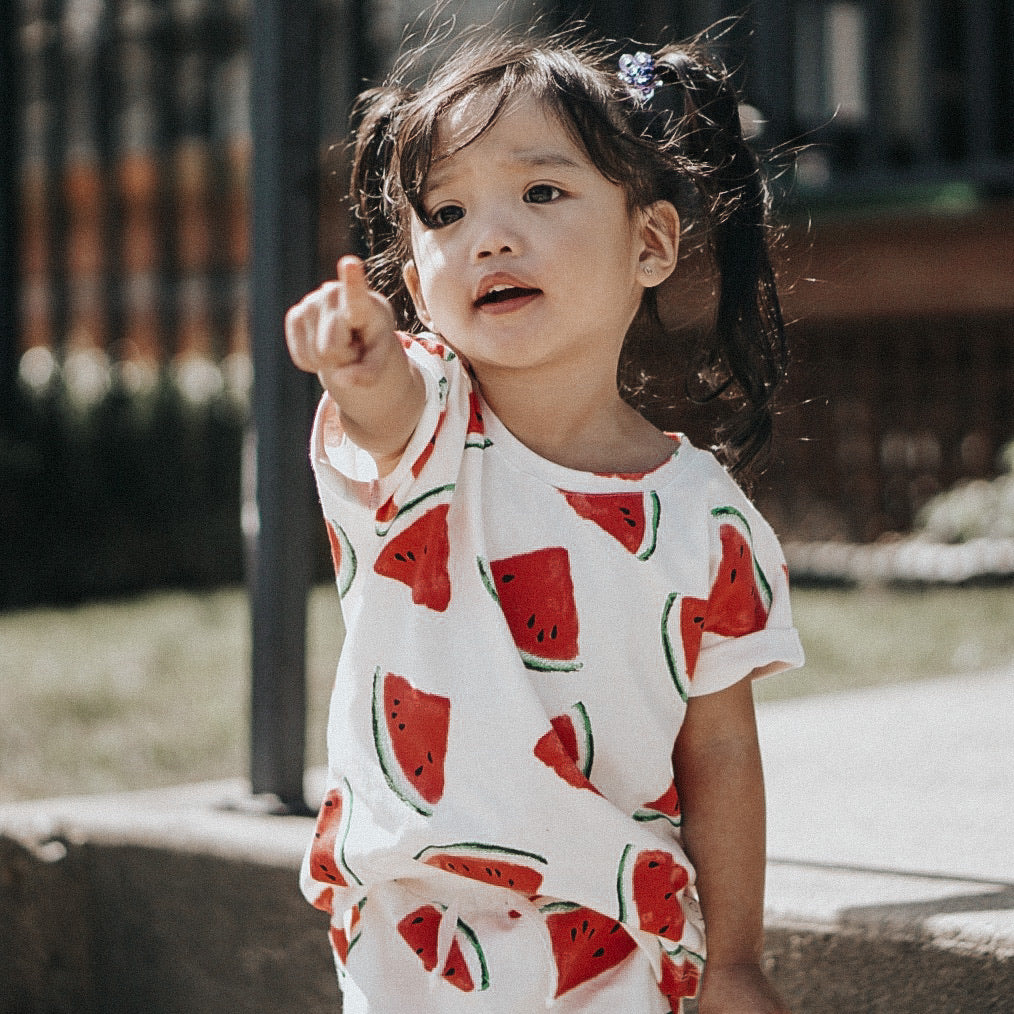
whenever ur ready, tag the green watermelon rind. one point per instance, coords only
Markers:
(620, 894)
(347, 572)
(587, 740)
(656, 514)
(670, 654)
(469, 934)
(487, 579)
(559, 906)
(644, 815)
(478, 849)
(680, 951)
(730, 511)
(534, 662)
(538, 664)
(388, 763)
(382, 531)
(347, 821)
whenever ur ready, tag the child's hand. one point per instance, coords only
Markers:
(738, 989)
(343, 331)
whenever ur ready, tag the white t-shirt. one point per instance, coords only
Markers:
(521, 642)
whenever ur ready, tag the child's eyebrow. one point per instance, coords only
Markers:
(443, 172)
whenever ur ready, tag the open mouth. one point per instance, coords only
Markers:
(504, 294)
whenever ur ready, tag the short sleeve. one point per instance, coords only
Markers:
(746, 620)
(347, 479)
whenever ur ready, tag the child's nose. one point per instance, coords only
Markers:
(495, 237)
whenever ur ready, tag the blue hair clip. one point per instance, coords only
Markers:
(637, 72)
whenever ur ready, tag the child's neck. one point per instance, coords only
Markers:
(583, 429)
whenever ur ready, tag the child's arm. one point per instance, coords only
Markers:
(721, 789)
(344, 332)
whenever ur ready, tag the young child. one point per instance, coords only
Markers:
(544, 778)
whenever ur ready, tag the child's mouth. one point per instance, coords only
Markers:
(505, 294)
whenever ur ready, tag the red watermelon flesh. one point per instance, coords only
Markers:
(476, 433)
(418, 557)
(735, 606)
(654, 882)
(410, 729)
(327, 859)
(585, 944)
(420, 463)
(420, 929)
(679, 980)
(325, 900)
(667, 806)
(623, 516)
(536, 594)
(343, 942)
(496, 865)
(693, 613)
(568, 748)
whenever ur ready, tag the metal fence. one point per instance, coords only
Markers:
(128, 157)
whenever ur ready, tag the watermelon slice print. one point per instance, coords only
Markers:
(466, 963)
(496, 865)
(630, 518)
(585, 943)
(327, 853)
(389, 512)
(737, 604)
(569, 747)
(650, 884)
(476, 433)
(681, 974)
(666, 807)
(410, 730)
(418, 558)
(536, 594)
(432, 346)
(343, 556)
(427, 452)
(342, 940)
(740, 595)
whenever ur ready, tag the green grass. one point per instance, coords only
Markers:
(154, 691)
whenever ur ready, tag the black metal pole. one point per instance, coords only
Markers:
(285, 108)
(10, 37)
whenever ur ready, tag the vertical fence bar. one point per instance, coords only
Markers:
(283, 267)
(9, 148)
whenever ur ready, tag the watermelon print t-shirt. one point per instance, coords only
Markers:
(501, 829)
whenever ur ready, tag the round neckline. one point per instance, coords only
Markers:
(523, 458)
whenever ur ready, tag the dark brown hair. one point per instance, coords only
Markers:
(684, 145)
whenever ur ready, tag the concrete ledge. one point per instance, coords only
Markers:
(158, 902)
(176, 901)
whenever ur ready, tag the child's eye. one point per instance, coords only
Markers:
(542, 193)
(445, 216)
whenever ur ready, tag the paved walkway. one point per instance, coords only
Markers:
(914, 777)
(895, 806)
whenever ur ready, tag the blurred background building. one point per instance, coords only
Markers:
(124, 245)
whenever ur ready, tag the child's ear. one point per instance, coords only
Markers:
(660, 236)
(410, 275)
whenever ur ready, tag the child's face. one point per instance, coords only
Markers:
(530, 257)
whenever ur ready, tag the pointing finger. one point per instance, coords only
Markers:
(355, 300)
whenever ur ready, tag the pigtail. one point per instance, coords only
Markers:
(375, 208)
(747, 357)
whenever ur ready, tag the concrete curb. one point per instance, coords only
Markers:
(181, 900)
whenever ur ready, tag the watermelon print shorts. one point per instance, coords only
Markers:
(528, 962)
